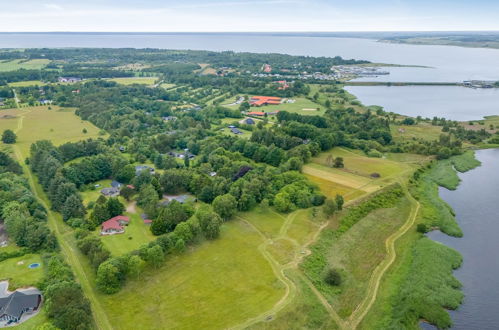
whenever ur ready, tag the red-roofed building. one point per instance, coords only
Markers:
(258, 101)
(267, 68)
(115, 225)
(256, 113)
(147, 221)
(282, 84)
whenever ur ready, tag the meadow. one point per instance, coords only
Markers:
(214, 285)
(14, 65)
(422, 130)
(27, 83)
(59, 125)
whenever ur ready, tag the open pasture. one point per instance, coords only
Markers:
(215, 285)
(135, 80)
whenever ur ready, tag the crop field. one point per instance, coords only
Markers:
(135, 80)
(215, 285)
(16, 271)
(331, 189)
(38, 123)
(136, 234)
(14, 65)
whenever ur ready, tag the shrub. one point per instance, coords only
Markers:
(333, 277)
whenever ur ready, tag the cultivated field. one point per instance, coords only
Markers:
(27, 83)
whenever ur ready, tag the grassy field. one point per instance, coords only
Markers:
(246, 134)
(422, 130)
(59, 125)
(218, 284)
(135, 80)
(16, 271)
(357, 256)
(167, 85)
(136, 234)
(267, 221)
(92, 195)
(14, 65)
(27, 83)
(301, 105)
(303, 227)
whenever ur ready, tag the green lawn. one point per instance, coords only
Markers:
(135, 80)
(246, 134)
(59, 125)
(136, 234)
(267, 221)
(216, 285)
(92, 195)
(16, 271)
(422, 130)
(303, 227)
(14, 65)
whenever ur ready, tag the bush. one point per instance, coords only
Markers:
(374, 153)
(422, 228)
(333, 277)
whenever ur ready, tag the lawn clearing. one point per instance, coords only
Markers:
(14, 65)
(331, 189)
(136, 235)
(135, 80)
(58, 125)
(282, 250)
(91, 195)
(16, 271)
(422, 130)
(216, 285)
(303, 226)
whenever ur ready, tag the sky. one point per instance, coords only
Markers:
(248, 15)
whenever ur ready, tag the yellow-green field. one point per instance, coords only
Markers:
(216, 285)
(27, 83)
(136, 234)
(14, 65)
(58, 125)
(16, 271)
(135, 80)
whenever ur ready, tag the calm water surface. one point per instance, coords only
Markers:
(476, 203)
(453, 102)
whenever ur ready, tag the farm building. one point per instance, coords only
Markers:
(258, 101)
(15, 305)
(256, 113)
(69, 79)
(115, 225)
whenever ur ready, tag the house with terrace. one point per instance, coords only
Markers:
(115, 225)
(18, 304)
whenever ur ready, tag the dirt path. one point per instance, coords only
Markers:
(67, 249)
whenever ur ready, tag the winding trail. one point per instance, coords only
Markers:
(67, 249)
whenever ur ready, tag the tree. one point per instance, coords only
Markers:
(422, 228)
(108, 278)
(9, 137)
(282, 202)
(135, 265)
(329, 207)
(73, 208)
(126, 174)
(114, 207)
(100, 214)
(333, 277)
(148, 196)
(339, 202)
(155, 256)
(338, 162)
(127, 192)
(225, 206)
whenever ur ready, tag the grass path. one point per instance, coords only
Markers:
(67, 248)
